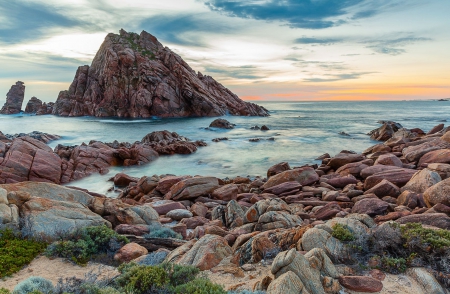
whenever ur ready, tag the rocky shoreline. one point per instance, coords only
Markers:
(322, 228)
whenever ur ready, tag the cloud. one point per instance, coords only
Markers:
(245, 72)
(184, 29)
(25, 21)
(308, 14)
(338, 77)
(394, 46)
(317, 41)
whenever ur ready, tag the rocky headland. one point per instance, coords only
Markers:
(347, 224)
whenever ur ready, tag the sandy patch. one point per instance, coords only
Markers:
(53, 269)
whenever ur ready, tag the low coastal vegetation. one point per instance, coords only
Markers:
(87, 243)
(158, 231)
(342, 232)
(16, 252)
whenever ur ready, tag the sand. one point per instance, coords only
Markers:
(53, 269)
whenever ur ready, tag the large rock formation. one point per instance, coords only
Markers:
(14, 99)
(136, 76)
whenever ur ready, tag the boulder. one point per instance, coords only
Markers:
(304, 176)
(278, 168)
(277, 219)
(426, 280)
(353, 168)
(284, 188)
(370, 206)
(384, 188)
(371, 170)
(415, 152)
(436, 156)
(438, 193)
(199, 209)
(341, 182)
(193, 222)
(50, 218)
(441, 168)
(389, 159)
(234, 215)
(124, 180)
(386, 131)
(408, 199)
(286, 283)
(398, 177)
(137, 230)
(344, 158)
(33, 105)
(421, 181)
(129, 252)
(164, 206)
(166, 183)
(30, 160)
(436, 129)
(226, 192)
(206, 253)
(193, 188)
(179, 214)
(439, 220)
(361, 284)
(221, 123)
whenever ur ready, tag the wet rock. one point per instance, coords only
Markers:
(438, 193)
(264, 128)
(220, 139)
(386, 131)
(33, 105)
(361, 284)
(14, 99)
(124, 180)
(221, 124)
(278, 168)
(129, 252)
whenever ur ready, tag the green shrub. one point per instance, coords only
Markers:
(86, 243)
(393, 265)
(437, 239)
(89, 288)
(200, 286)
(342, 232)
(4, 291)
(246, 292)
(158, 231)
(16, 252)
(34, 285)
(153, 258)
(179, 274)
(140, 278)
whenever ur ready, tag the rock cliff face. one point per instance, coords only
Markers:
(14, 99)
(134, 76)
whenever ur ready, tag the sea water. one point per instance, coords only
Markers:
(301, 131)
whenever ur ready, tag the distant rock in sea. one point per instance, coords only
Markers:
(14, 99)
(135, 76)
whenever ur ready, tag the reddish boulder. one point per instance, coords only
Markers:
(389, 159)
(129, 252)
(278, 168)
(164, 206)
(436, 156)
(199, 209)
(415, 152)
(304, 176)
(371, 170)
(439, 193)
(386, 131)
(370, 206)
(124, 180)
(353, 168)
(422, 180)
(361, 284)
(226, 192)
(398, 177)
(408, 199)
(384, 188)
(328, 211)
(137, 230)
(283, 188)
(193, 222)
(33, 105)
(436, 129)
(341, 182)
(439, 220)
(344, 158)
(193, 188)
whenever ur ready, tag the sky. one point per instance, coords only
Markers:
(260, 49)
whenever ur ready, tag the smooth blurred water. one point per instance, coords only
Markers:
(302, 131)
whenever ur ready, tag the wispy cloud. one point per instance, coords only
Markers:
(317, 41)
(338, 77)
(309, 14)
(245, 72)
(394, 46)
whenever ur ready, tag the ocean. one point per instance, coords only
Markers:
(302, 131)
